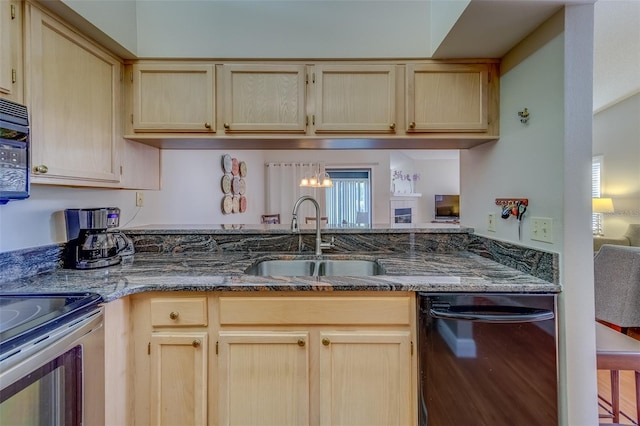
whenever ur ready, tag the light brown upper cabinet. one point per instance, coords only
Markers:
(427, 104)
(11, 86)
(447, 97)
(355, 98)
(176, 97)
(73, 90)
(264, 98)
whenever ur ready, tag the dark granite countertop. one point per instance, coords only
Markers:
(460, 271)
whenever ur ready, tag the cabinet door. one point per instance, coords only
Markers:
(365, 378)
(179, 378)
(73, 90)
(355, 98)
(11, 50)
(263, 378)
(447, 97)
(264, 98)
(176, 97)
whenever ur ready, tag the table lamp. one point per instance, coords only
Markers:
(600, 206)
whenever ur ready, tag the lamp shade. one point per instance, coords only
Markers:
(602, 205)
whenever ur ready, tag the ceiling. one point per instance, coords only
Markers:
(490, 28)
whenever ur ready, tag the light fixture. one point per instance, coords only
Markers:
(319, 180)
(600, 206)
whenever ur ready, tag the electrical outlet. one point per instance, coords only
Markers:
(139, 199)
(491, 222)
(542, 229)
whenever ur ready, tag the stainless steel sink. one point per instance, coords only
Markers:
(287, 268)
(314, 268)
(349, 268)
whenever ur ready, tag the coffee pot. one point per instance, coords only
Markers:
(93, 241)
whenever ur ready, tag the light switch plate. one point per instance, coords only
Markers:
(491, 222)
(542, 229)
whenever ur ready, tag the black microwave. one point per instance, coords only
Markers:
(14, 151)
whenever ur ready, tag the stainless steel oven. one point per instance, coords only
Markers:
(488, 359)
(51, 359)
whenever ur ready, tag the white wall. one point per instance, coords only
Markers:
(616, 71)
(616, 136)
(527, 160)
(115, 18)
(191, 194)
(436, 177)
(444, 14)
(259, 29)
(39, 220)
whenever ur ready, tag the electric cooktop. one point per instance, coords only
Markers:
(24, 317)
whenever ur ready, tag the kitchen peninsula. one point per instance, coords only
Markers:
(183, 317)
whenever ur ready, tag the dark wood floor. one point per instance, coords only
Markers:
(520, 389)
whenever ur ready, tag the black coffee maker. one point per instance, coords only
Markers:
(93, 241)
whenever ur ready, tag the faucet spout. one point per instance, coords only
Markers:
(295, 227)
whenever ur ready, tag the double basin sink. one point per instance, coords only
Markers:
(316, 268)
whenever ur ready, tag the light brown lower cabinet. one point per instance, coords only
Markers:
(263, 378)
(179, 373)
(290, 359)
(365, 378)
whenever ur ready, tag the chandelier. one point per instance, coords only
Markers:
(318, 180)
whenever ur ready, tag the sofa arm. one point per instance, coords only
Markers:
(599, 241)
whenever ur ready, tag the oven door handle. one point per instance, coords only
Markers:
(493, 314)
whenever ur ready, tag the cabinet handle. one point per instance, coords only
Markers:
(207, 125)
(174, 315)
(392, 126)
(326, 341)
(226, 126)
(412, 125)
(301, 343)
(195, 343)
(41, 169)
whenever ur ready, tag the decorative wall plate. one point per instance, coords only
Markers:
(235, 207)
(243, 169)
(226, 163)
(226, 183)
(243, 204)
(235, 185)
(235, 167)
(242, 186)
(227, 204)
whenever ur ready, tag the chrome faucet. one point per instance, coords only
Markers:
(295, 227)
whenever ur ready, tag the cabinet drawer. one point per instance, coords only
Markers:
(315, 310)
(179, 312)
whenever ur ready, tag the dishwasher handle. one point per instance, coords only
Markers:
(493, 314)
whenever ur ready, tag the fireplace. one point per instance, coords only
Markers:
(402, 215)
(404, 209)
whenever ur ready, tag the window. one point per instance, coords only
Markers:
(596, 177)
(349, 199)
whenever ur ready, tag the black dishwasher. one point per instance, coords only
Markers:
(487, 359)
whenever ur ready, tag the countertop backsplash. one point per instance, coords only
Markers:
(278, 238)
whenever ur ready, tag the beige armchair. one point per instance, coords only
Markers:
(617, 285)
(630, 238)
